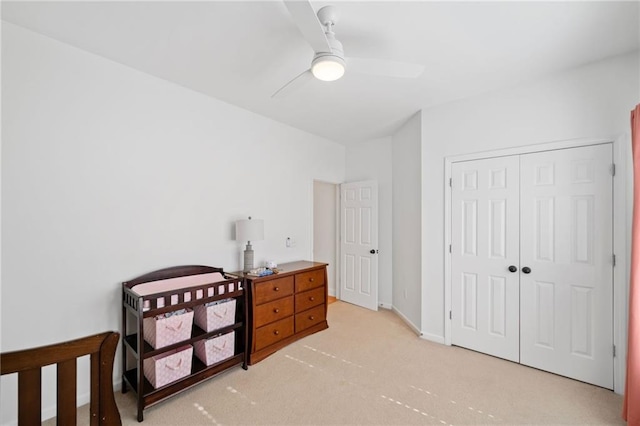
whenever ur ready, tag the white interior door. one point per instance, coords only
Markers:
(485, 223)
(566, 241)
(359, 243)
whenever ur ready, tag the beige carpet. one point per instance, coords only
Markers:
(370, 368)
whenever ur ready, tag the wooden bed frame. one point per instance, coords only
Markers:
(28, 364)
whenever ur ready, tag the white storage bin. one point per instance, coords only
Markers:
(168, 367)
(167, 331)
(215, 316)
(215, 349)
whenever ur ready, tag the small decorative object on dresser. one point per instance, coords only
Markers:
(164, 351)
(286, 306)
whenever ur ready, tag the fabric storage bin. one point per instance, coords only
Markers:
(215, 349)
(160, 332)
(215, 315)
(168, 367)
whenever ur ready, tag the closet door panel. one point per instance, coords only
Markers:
(566, 240)
(485, 294)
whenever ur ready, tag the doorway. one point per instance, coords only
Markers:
(325, 229)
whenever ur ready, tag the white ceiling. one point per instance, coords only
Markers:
(242, 52)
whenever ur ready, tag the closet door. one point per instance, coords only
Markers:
(566, 242)
(485, 225)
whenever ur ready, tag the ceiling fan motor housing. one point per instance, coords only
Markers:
(329, 66)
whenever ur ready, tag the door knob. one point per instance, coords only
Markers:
(526, 270)
(372, 251)
(512, 268)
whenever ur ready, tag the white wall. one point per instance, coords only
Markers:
(108, 173)
(370, 160)
(590, 102)
(407, 176)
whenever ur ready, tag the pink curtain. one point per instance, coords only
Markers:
(631, 405)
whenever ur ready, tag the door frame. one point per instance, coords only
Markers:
(621, 221)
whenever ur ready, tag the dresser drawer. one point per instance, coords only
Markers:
(272, 333)
(273, 289)
(309, 299)
(273, 311)
(309, 318)
(309, 280)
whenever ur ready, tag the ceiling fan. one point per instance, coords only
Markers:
(329, 61)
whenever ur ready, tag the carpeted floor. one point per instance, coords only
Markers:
(370, 368)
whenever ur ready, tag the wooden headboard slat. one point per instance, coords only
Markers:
(66, 395)
(29, 396)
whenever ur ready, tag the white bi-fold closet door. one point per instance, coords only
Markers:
(531, 260)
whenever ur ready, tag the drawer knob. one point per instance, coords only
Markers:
(312, 298)
(311, 317)
(276, 332)
(276, 289)
(311, 279)
(276, 310)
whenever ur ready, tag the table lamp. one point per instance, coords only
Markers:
(249, 230)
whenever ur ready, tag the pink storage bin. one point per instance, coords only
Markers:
(167, 331)
(168, 367)
(214, 317)
(215, 349)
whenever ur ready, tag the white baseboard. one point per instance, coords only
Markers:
(385, 305)
(407, 321)
(432, 338)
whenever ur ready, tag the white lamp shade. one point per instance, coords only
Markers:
(249, 230)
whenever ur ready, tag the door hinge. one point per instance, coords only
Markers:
(614, 351)
(450, 317)
(450, 248)
(614, 259)
(613, 169)
(450, 182)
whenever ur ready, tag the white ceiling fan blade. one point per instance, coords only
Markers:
(293, 85)
(384, 68)
(305, 18)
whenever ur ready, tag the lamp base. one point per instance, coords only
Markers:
(248, 258)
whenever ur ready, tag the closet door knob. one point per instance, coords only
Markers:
(512, 268)
(526, 270)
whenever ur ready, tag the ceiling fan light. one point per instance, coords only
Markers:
(328, 68)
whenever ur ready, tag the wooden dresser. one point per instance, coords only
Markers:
(285, 307)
